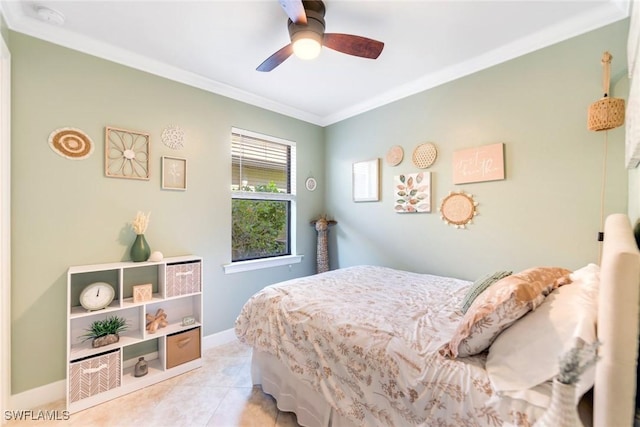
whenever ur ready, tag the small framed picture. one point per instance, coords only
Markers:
(366, 181)
(174, 173)
(188, 320)
(142, 293)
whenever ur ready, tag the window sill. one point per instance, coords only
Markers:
(257, 264)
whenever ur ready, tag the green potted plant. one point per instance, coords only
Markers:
(105, 332)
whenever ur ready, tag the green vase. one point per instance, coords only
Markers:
(140, 250)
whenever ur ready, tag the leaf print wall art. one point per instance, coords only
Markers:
(412, 192)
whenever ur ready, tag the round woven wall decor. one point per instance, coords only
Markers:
(424, 155)
(458, 209)
(395, 155)
(71, 143)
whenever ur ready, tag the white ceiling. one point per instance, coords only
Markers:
(217, 45)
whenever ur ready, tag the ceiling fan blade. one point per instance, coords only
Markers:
(294, 10)
(276, 59)
(353, 45)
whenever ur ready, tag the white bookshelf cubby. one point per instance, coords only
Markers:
(95, 375)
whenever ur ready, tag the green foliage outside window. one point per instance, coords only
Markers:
(259, 227)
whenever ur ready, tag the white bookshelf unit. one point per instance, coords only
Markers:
(95, 375)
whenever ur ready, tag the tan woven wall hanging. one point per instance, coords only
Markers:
(71, 143)
(606, 113)
(424, 155)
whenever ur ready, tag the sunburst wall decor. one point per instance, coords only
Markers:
(458, 209)
(126, 154)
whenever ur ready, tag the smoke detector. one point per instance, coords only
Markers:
(49, 15)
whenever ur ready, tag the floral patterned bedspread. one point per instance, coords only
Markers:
(366, 338)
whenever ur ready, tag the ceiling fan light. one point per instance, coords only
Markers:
(307, 47)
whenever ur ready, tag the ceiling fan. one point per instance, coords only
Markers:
(306, 31)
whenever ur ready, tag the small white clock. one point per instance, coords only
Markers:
(97, 296)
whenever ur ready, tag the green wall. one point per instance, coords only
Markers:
(546, 211)
(66, 212)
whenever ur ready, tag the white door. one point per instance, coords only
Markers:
(5, 229)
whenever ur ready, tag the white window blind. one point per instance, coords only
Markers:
(261, 164)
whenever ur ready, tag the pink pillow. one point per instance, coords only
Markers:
(500, 305)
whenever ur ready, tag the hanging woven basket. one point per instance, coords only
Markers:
(606, 113)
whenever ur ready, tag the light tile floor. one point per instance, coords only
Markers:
(219, 394)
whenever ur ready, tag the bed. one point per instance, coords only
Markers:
(373, 346)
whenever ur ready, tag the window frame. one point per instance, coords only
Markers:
(277, 260)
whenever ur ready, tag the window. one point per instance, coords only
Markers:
(263, 196)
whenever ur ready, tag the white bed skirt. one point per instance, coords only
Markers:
(292, 395)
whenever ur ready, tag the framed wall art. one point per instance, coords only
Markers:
(412, 192)
(174, 173)
(366, 181)
(142, 293)
(126, 154)
(484, 163)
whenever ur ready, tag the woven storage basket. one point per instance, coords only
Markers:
(93, 375)
(183, 278)
(606, 113)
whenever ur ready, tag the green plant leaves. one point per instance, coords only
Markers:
(100, 328)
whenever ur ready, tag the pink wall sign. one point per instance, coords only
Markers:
(484, 163)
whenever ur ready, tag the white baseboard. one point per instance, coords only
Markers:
(219, 338)
(43, 395)
(39, 396)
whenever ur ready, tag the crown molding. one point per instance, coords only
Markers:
(607, 13)
(600, 17)
(16, 21)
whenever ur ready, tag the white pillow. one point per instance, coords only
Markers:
(527, 353)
